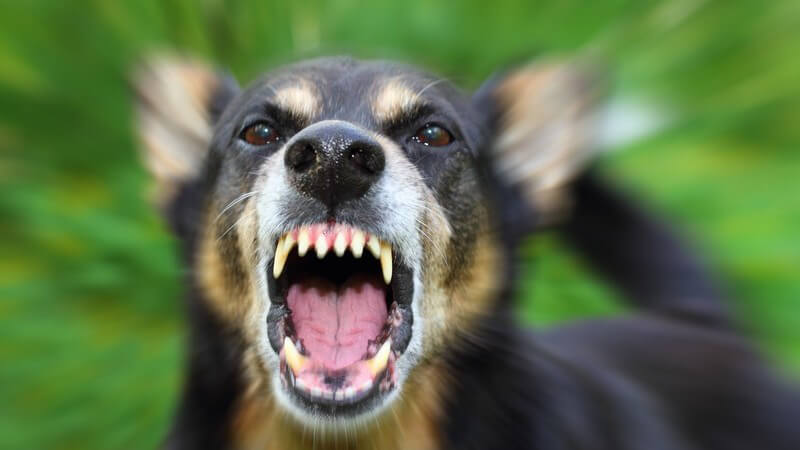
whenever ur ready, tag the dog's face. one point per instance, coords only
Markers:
(343, 226)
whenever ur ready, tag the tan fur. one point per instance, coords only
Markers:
(230, 297)
(173, 123)
(300, 99)
(393, 99)
(450, 309)
(546, 132)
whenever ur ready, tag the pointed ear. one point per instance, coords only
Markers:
(177, 102)
(542, 118)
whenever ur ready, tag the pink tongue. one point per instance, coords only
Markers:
(336, 327)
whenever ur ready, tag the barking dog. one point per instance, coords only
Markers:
(350, 229)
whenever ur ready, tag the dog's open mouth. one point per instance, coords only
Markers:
(340, 315)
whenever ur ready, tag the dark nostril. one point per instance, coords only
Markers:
(368, 158)
(301, 156)
(334, 162)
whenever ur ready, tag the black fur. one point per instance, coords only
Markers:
(213, 382)
(674, 375)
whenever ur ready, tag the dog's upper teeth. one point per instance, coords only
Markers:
(303, 241)
(321, 246)
(340, 244)
(289, 242)
(357, 243)
(374, 246)
(315, 235)
(281, 252)
(386, 261)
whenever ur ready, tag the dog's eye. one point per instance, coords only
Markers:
(433, 135)
(260, 133)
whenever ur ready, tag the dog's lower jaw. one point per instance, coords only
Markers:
(411, 418)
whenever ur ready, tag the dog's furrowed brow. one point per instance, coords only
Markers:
(395, 102)
(299, 99)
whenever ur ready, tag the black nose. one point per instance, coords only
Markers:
(334, 161)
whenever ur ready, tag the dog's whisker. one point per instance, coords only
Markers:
(235, 202)
(235, 224)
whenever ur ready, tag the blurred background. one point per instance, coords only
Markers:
(91, 332)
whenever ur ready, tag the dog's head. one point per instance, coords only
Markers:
(347, 218)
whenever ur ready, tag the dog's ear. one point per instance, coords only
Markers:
(177, 102)
(543, 134)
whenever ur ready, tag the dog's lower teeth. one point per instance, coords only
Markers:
(294, 359)
(378, 362)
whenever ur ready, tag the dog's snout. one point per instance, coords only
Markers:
(334, 162)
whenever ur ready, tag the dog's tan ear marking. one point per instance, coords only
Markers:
(544, 130)
(176, 103)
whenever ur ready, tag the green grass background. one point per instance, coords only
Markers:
(91, 332)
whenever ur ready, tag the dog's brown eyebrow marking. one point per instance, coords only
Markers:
(395, 100)
(299, 99)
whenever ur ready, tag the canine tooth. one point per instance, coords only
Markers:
(316, 392)
(366, 386)
(357, 243)
(374, 246)
(294, 359)
(280, 258)
(349, 393)
(321, 246)
(303, 241)
(386, 261)
(300, 384)
(378, 362)
(340, 244)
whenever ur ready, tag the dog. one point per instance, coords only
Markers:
(351, 230)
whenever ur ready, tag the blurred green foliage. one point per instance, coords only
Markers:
(91, 335)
